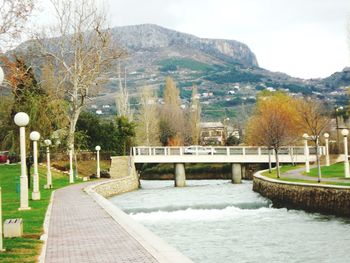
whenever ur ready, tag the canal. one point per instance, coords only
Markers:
(214, 221)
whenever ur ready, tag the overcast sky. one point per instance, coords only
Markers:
(303, 38)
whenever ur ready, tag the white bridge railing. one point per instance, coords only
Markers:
(224, 151)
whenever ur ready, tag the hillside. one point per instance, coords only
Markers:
(226, 72)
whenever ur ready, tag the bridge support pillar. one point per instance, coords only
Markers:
(180, 175)
(236, 173)
(243, 167)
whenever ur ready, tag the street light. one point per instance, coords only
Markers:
(345, 133)
(326, 138)
(71, 175)
(35, 136)
(1, 242)
(48, 164)
(98, 173)
(314, 138)
(306, 153)
(22, 119)
(336, 109)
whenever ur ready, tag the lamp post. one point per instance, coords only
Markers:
(326, 138)
(35, 136)
(306, 153)
(345, 133)
(98, 173)
(1, 242)
(22, 119)
(48, 164)
(71, 175)
(336, 109)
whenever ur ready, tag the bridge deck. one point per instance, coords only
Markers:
(234, 154)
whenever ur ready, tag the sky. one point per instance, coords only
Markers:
(303, 38)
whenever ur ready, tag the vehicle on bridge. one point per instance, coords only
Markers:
(198, 150)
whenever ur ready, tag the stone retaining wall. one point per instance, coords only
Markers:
(324, 199)
(117, 186)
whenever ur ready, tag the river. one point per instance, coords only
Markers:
(214, 221)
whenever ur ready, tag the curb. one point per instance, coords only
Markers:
(158, 248)
(46, 225)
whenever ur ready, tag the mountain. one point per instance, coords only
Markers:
(162, 42)
(226, 72)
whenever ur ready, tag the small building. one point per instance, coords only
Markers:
(212, 133)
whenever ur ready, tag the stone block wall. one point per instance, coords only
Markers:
(125, 178)
(117, 186)
(314, 198)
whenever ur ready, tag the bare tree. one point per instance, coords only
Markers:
(82, 53)
(313, 121)
(147, 130)
(122, 98)
(195, 116)
(13, 17)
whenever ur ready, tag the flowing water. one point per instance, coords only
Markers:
(217, 222)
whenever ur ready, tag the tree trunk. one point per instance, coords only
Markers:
(277, 164)
(270, 166)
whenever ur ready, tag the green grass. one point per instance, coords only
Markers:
(333, 171)
(27, 248)
(184, 63)
(283, 169)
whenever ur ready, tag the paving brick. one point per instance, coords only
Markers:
(81, 231)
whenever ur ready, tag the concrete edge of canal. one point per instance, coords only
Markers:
(157, 247)
(325, 199)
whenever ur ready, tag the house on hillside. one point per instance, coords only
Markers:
(212, 133)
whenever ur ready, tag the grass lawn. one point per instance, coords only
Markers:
(283, 169)
(27, 248)
(333, 171)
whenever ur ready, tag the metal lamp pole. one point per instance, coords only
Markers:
(345, 133)
(35, 136)
(326, 138)
(71, 175)
(22, 119)
(1, 242)
(306, 153)
(98, 173)
(48, 164)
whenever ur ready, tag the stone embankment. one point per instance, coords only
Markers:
(326, 199)
(124, 177)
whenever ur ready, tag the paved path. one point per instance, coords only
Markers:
(298, 174)
(81, 231)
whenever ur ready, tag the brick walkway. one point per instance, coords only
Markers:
(81, 231)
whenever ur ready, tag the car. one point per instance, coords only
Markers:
(200, 150)
(4, 156)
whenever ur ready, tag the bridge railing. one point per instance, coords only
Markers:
(221, 150)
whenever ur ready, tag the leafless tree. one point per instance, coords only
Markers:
(82, 53)
(147, 130)
(195, 116)
(313, 121)
(122, 98)
(13, 17)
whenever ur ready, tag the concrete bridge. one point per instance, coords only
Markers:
(238, 156)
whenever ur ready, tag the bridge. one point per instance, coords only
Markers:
(238, 156)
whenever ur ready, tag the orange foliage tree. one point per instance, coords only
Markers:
(274, 123)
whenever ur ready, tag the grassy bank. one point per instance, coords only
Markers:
(27, 248)
(333, 171)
